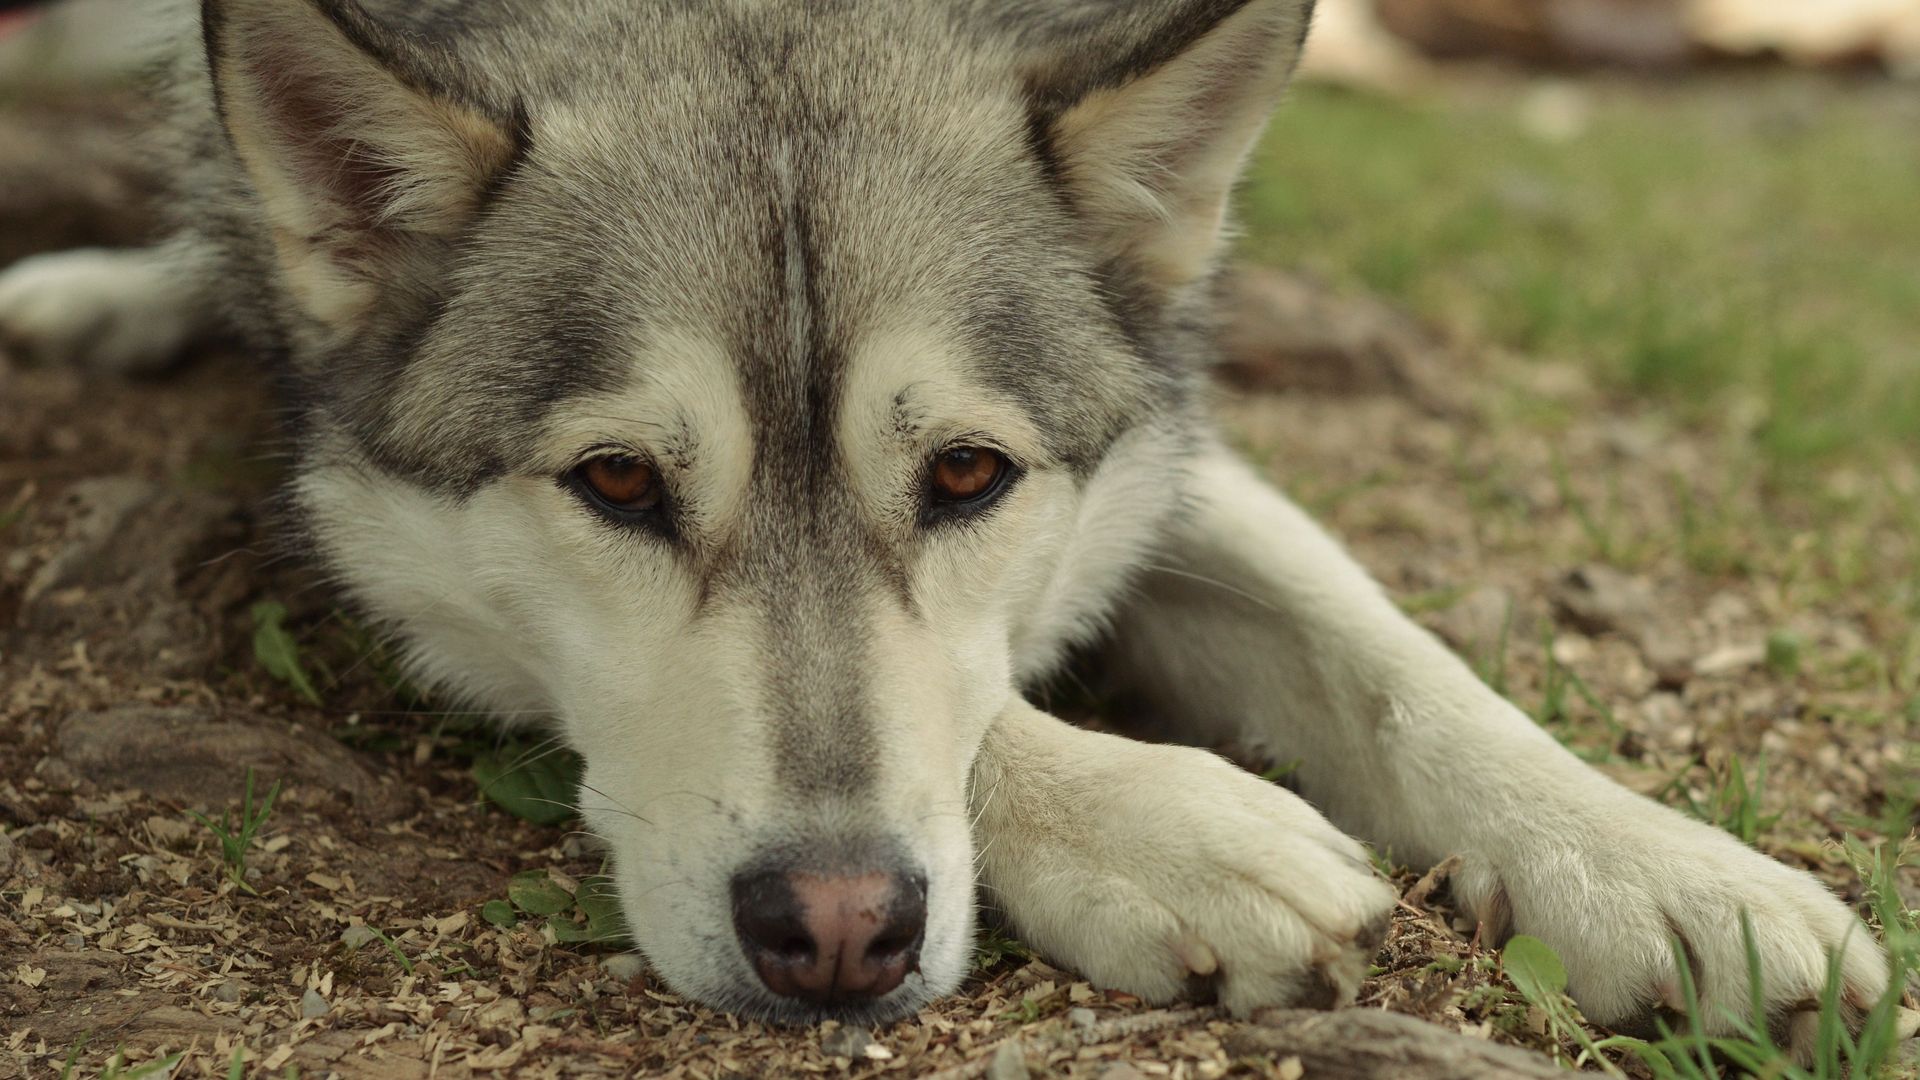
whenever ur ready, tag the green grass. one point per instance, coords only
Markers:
(392, 947)
(993, 946)
(236, 837)
(277, 651)
(533, 781)
(1737, 247)
(116, 1066)
(1734, 803)
(588, 913)
(1690, 1054)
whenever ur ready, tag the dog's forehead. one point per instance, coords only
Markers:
(794, 195)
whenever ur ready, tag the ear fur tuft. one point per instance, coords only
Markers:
(1150, 110)
(358, 142)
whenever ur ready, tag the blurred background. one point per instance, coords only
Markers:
(1713, 203)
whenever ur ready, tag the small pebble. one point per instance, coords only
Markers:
(1081, 1017)
(233, 990)
(75, 942)
(312, 1006)
(355, 936)
(846, 1042)
(625, 967)
(1009, 1062)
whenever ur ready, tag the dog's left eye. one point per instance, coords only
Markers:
(962, 473)
(966, 479)
(621, 483)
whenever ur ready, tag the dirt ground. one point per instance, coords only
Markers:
(1698, 617)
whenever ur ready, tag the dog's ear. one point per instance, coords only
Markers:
(365, 154)
(1149, 108)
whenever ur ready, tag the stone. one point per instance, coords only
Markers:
(1599, 599)
(1668, 652)
(846, 1042)
(1474, 623)
(197, 759)
(1648, 34)
(624, 967)
(312, 1005)
(95, 509)
(356, 936)
(1286, 332)
(1081, 1017)
(1009, 1062)
(136, 556)
(1729, 659)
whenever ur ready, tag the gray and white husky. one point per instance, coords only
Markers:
(768, 392)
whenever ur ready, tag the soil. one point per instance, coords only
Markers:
(139, 534)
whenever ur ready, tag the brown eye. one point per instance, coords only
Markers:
(621, 482)
(965, 473)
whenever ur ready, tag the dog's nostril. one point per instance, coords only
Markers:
(831, 937)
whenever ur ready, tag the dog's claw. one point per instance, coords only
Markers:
(1197, 957)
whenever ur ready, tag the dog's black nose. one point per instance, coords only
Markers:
(831, 937)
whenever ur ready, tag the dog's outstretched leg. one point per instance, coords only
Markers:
(121, 310)
(1260, 629)
(1161, 869)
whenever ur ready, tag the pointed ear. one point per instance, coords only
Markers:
(1150, 107)
(364, 154)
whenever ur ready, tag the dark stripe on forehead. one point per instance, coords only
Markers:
(789, 369)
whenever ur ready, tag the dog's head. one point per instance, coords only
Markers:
(761, 391)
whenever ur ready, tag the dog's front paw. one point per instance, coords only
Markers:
(1178, 875)
(1613, 897)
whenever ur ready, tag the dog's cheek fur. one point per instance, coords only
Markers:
(1102, 538)
(404, 558)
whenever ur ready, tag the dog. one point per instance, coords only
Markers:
(768, 393)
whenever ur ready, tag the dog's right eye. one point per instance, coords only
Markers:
(620, 484)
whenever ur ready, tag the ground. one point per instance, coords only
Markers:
(1695, 567)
